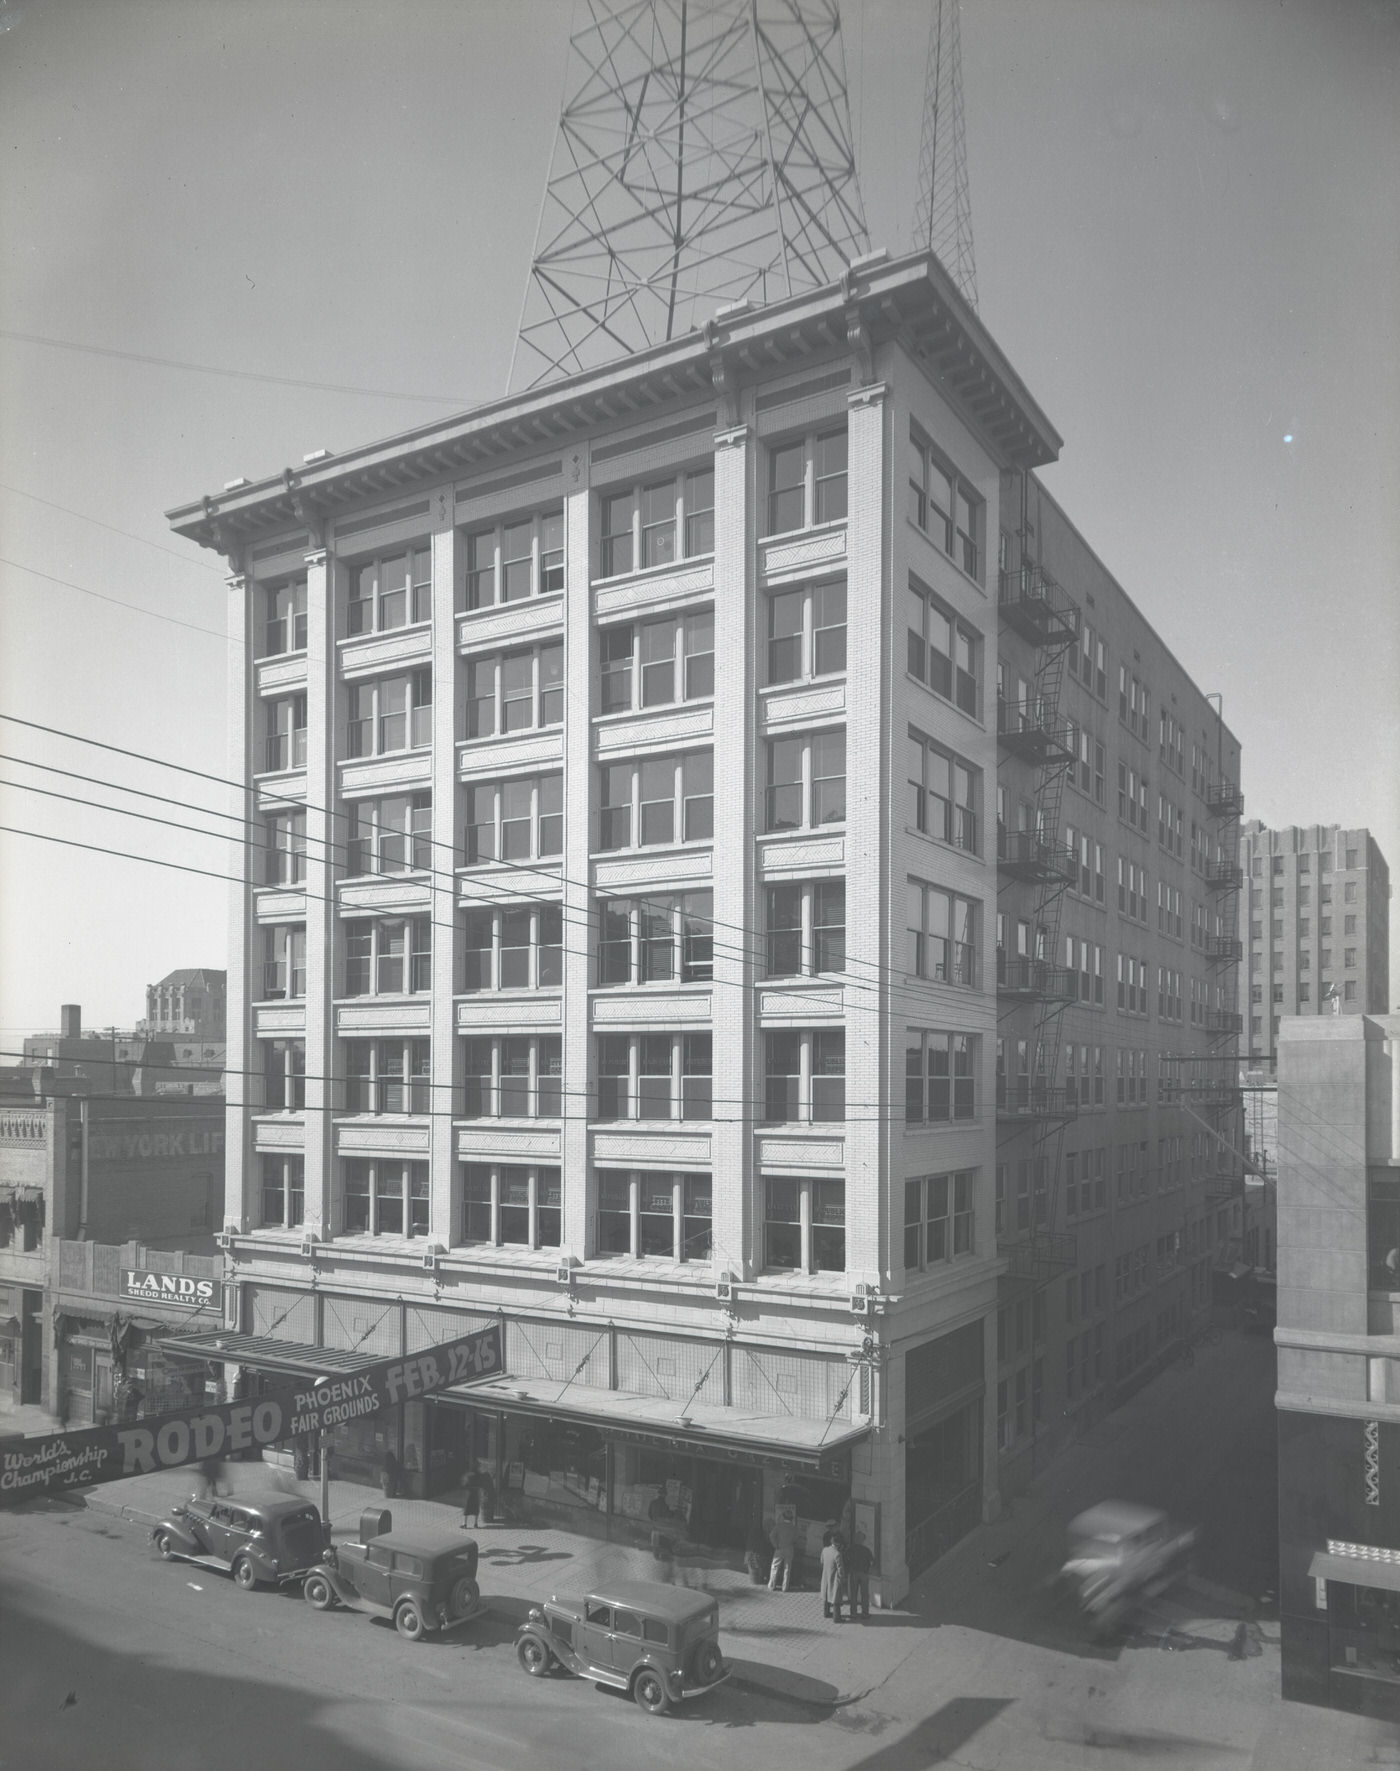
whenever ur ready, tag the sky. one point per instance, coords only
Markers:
(1188, 244)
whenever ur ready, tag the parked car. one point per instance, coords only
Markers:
(1120, 1553)
(424, 1584)
(661, 1643)
(259, 1538)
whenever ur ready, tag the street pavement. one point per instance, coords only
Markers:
(982, 1667)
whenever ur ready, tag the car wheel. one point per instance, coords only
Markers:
(165, 1544)
(244, 1574)
(318, 1592)
(709, 1663)
(533, 1656)
(464, 1597)
(649, 1691)
(408, 1621)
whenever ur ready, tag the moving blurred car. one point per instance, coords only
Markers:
(1120, 1553)
(424, 1584)
(259, 1538)
(660, 1643)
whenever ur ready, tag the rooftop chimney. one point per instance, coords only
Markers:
(71, 1020)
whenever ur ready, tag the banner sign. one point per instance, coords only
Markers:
(54, 1461)
(140, 1285)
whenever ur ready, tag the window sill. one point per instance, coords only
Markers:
(297, 652)
(511, 993)
(962, 572)
(652, 850)
(383, 633)
(384, 756)
(656, 987)
(803, 682)
(941, 842)
(382, 1118)
(278, 1002)
(837, 526)
(519, 602)
(645, 574)
(484, 738)
(411, 875)
(835, 827)
(385, 997)
(620, 716)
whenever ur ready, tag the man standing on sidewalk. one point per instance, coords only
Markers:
(784, 1540)
(858, 1564)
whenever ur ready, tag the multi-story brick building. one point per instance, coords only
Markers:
(1315, 924)
(188, 1004)
(670, 906)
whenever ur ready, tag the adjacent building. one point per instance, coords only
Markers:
(1315, 923)
(746, 901)
(189, 1004)
(1339, 1359)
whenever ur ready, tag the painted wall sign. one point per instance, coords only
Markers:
(141, 1285)
(91, 1455)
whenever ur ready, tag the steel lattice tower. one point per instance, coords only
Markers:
(704, 156)
(943, 218)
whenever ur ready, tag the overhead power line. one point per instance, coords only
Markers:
(112, 529)
(136, 608)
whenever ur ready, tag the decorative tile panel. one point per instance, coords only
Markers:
(793, 556)
(373, 1016)
(366, 653)
(276, 675)
(655, 1150)
(796, 1006)
(486, 758)
(644, 734)
(508, 885)
(281, 906)
(789, 707)
(677, 867)
(365, 1137)
(529, 619)
(283, 1133)
(410, 768)
(482, 1143)
(654, 591)
(645, 1008)
(778, 1153)
(403, 896)
(798, 855)
(485, 1013)
(282, 1018)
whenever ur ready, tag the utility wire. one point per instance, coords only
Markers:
(120, 603)
(111, 528)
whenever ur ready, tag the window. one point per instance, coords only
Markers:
(1304, 895)
(388, 1076)
(285, 743)
(1088, 662)
(1348, 925)
(804, 1229)
(386, 1198)
(806, 781)
(656, 663)
(654, 1076)
(806, 928)
(389, 714)
(938, 1212)
(515, 691)
(1349, 958)
(283, 1191)
(1324, 863)
(940, 1078)
(394, 590)
(286, 848)
(1132, 703)
(652, 1214)
(1324, 895)
(945, 654)
(1132, 797)
(807, 632)
(284, 617)
(656, 940)
(516, 820)
(515, 1076)
(945, 506)
(1305, 993)
(284, 962)
(515, 560)
(512, 1205)
(656, 801)
(1277, 866)
(1132, 890)
(1349, 892)
(520, 947)
(390, 835)
(656, 524)
(284, 1075)
(805, 1076)
(942, 935)
(1349, 990)
(1352, 855)
(1305, 863)
(807, 482)
(389, 956)
(945, 792)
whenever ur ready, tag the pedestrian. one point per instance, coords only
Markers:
(471, 1499)
(847, 1527)
(833, 1575)
(758, 1551)
(210, 1471)
(390, 1475)
(858, 1565)
(784, 1541)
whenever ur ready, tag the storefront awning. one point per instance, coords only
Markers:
(1357, 1571)
(264, 1354)
(783, 1440)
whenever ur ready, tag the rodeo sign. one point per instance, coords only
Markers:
(188, 1435)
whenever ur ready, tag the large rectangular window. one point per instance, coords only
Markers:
(285, 834)
(517, 820)
(515, 947)
(657, 523)
(938, 1218)
(388, 1076)
(807, 632)
(942, 935)
(390, 835)
(664, 940)
(285, 741)
(284, 1075)
(512, 1205)
(805, 1076)
(804, 1226)
(945, 652)
(806, 781)
(945, 505)
(520, 558)
(940, 1078)
(514, 1076)
(805, 928)
(284, 962)
(656, 663)
(283, 1191)
(389, 714)
(284, 617)
(653, 1214)
(515, 691)
(945, 792)
(807, 481)
(388, 956)
(657, 801)
(385, 1198)
(654, 1076)
(392, 590)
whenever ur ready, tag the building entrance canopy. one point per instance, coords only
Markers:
(783, 1441)
(1357, 1571)
(261, 1353)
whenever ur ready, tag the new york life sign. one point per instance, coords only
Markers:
(55, 1461)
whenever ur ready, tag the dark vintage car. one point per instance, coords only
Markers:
(261, 1538)
(1119, 1554)
(423, 1583)
(660, 1643)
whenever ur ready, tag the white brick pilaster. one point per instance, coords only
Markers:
(578, 843)
(246, 854)
(325, 836)
(445, 1217)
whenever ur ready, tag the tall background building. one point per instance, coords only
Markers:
(1315, 923)
(745, 899)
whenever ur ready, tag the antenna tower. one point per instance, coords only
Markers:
(943, 218)
(703, 156)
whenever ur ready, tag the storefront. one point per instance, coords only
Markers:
(113, 1365)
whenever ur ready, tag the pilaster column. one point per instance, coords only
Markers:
(445, 1219)
(246, 852)
(325, 833)
(578, 844)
